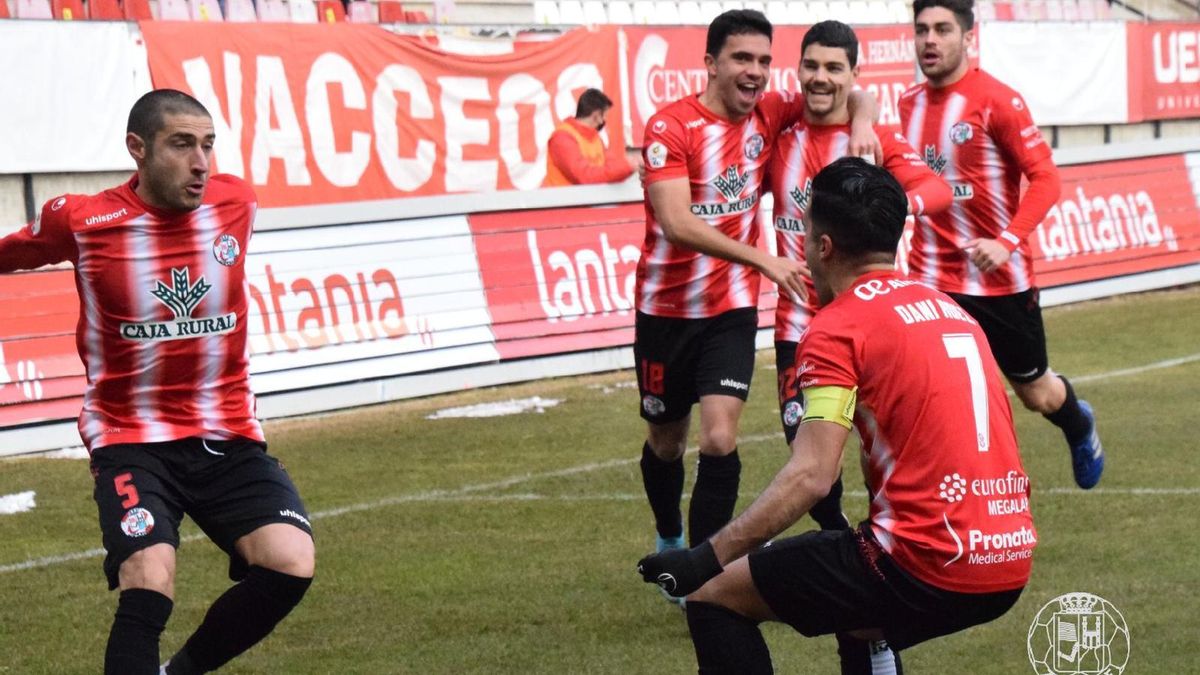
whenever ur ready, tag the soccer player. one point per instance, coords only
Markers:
(698, 277)
(949, 540)
(979, 135)
(828, 70)
(168, 415)
(827, 73)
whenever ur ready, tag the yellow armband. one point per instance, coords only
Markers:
(830, 404)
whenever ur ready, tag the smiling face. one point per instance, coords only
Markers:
(737, 76)
(826, 79)
(173, 168)
(941, 45)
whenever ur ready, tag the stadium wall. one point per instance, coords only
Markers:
(353, 304)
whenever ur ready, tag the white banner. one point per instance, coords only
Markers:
(68, 88)
(1068, 73)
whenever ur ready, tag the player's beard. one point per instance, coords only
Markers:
(168, 191)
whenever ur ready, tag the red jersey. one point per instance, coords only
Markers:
(977, 134)
(951, 497)
(724, 164)
(162, 320)
(802, 152)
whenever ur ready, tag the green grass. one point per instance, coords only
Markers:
(508, 544)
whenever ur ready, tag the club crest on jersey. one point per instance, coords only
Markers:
(181, 297)
(753, 147)
(731, 183)
(226, 250)
(137, 522)
(961, 133)
(935, 161)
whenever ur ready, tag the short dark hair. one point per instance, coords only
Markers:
(590, 101)
(146, 116)
(964, 10)
(736, 22)
(832, 34)
(860, 206)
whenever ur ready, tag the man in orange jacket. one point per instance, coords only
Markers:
(577, 154)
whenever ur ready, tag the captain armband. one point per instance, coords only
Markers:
(830, 403)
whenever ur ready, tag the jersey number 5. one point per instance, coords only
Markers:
(963, 346)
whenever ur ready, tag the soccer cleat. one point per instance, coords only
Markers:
(1087, 455)
(663, 544)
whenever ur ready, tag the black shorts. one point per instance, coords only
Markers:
(680, 360)
(1014, 329)
(840, 580)
(791, 400)
(229, 488)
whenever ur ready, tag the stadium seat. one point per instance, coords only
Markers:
(985, 10)
(689, 12)
(104, 10)
(137, 10)
(271, 10)
(643, 12)
(619, 12)
(570, 12)
(594, 12)
(709, 10)
(755, 5)
(205, 10)
(819, 11)
(4, 10)
(545, 12)
(837, 9)
(391, 11)
(32, 9)
(777, 12)
(331, 11)
(302, 11)
(898, 12)
(361, 11)
(666, 13)
(728, 5)
(1054, 10)
(878, 12)
(68, 10)
(860, 12)
(239, 11)
(174, 10)
(1070, 10)
(416, 16)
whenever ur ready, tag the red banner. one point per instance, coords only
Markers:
(1164, 70)
(667, 64)
(343, 112)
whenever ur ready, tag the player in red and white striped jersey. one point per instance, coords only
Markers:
(950, 539)
(168, 414)
(979, 135)
(698, 277)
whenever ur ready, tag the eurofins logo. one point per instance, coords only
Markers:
(181, 297)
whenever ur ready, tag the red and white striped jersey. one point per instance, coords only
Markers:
(724, 162)
(162, 321)
(977, 134)
(950, 496)
(803, 151)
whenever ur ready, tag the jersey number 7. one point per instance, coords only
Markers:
(963, 346)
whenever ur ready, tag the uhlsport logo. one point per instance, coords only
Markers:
(1078, 634)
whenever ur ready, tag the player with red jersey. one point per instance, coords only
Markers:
(698, 277)
(168, 415)
(950, 537)
(828, 69)
(979, 135)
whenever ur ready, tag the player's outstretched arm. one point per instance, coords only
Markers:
(672, 203)
(45, 241)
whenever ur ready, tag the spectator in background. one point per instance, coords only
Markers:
(577, 153)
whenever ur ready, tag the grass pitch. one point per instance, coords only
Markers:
(507, 545)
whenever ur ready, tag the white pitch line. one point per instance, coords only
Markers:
(597, 466)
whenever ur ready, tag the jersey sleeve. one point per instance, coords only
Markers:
(665, 151)
(927, 192)
(1011, 126)
(45, 241)
(826, 355)
(790, 108)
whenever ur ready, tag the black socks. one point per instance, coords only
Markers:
(714, 496)
(133, 641)
(241, 617)
(864, 657)
(664, 487)
(726, 642)
(1069, 417)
